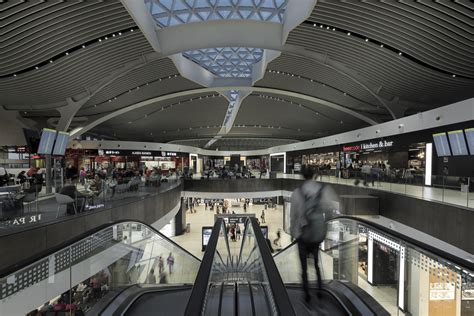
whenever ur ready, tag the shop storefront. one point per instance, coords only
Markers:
(92, 160)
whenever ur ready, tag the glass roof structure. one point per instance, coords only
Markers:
(175, 12)
(227, 62)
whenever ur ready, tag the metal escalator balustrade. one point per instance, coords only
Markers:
(97, 267)
(375, 272)
(245, 283)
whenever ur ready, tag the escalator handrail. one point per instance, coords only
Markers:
(414, 242)
(280, 295)
(199, 291)
(33, 259)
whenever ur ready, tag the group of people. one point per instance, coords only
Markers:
(163, 278)
(79, 298)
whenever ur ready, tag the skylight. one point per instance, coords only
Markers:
(174, 12)
(227, 62)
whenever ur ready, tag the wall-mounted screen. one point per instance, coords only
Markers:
(458, 143)
(441, 144)
(470, 139)
(47, 141)
(61, 144)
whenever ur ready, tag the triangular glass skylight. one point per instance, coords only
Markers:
(227, 62)
(165, 12)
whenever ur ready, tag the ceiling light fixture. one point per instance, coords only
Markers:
(36, 67)
(366, 39)
(381, 45)
(454, 76)
(67, 54)
(400, 54)
(349, 33)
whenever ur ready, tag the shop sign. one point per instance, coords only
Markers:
(25, 220)
(141, 153)
(109, 152)
(351, 148)
(379, 145)
(369, 146)
(168, 154)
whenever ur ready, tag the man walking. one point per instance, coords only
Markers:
(309, 205)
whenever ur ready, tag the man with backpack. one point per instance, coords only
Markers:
(311, 207)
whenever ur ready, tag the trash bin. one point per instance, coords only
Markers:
(188, 227)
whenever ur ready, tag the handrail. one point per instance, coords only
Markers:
(199, 291)
(281, 298)
(427, 247)
(25, 263)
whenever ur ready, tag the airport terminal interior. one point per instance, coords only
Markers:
(237, 157)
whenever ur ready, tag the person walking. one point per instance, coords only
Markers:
(161, 264)
(170, 262)
(310, 206)
(262, 216)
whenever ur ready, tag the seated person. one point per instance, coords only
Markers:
(71, 191)
(22, 177)
(96, 185)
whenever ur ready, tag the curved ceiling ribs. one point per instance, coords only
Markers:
(380, 57)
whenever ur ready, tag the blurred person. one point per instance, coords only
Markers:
(151, 278)
(170, 262)
(262, 216)
(310, 209)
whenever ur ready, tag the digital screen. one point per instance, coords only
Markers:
(47, 141)
(441, 144)
(206, 235)
(458, 143)
(61, 144)
(470, 139)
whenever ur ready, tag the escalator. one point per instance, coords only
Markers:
(122, 270)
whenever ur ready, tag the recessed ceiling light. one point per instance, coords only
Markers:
(106, 37)
(314, 24)
(321, 26)
(67, 54)
(381, 45)
(333, 28)
(83, 46)
(131, 30)
(120, 33)
(36, 67)
(50, 61)
(400, 54)
(100, 40)
(366, 39)
(113, 35)
(454, 76)
(349, 33)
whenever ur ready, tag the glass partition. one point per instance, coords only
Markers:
(401, 276)
(23, 206)
(97, 267)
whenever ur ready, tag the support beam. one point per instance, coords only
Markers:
(68, 112)
(127, 109)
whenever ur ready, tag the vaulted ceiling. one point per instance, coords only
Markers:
(378, 59)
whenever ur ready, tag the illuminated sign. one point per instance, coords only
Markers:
(25, 220)
(369, 146)
(111, 152)
(351, 148)
(142, 153)
(168, 154)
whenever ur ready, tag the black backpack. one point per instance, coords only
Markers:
(315, 229)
